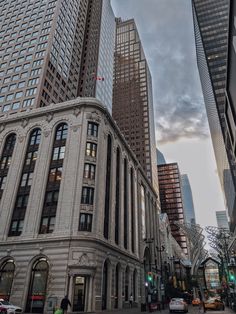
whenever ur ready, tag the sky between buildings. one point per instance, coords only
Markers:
(166, 31)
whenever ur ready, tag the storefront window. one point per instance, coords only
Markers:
(38, 287)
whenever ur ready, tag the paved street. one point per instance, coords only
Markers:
(192, 310)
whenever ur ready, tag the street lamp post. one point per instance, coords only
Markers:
(160, 250)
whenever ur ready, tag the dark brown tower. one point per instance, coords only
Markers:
(171, 200)
(132, 106)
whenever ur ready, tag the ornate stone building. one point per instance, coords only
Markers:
(78, 216)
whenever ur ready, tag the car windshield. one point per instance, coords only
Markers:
(5, 303)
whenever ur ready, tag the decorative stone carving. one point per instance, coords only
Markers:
(46, 133)
(76, 111)
(2, 127)
(21, 138)
(93, 116)
(24, 122)
(85, 261)
(75, 127)
(49, 116)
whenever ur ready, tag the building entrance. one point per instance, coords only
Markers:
(79, 293)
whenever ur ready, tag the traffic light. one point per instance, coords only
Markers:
(231, 275)
(149, 276)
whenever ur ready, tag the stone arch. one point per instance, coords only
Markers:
(37, 284)
(127, 283)
(106, 285)
(7, 272)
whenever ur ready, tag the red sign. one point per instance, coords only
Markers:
(37, 297)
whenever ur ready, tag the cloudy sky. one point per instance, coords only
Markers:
(166, 31)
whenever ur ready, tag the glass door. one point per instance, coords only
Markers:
(79, 293)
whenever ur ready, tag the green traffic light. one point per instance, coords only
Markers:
(149, 277)
(231, 277)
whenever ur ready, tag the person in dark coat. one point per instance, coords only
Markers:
(64, 304)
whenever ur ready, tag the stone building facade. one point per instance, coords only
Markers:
(76, 211)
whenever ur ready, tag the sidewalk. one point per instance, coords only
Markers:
(136, 310)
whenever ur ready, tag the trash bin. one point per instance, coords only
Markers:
(143, 307)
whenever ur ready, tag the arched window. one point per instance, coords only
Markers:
(38, 287)
(117, 199)
(108, 188)
(127, 284)
(105, 285)
(135, 284)
(5, 160)
(54, 180)
(117, 283)
(22, 197)
(125, 205)
(6, 279)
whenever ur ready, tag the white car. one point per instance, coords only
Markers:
(11, 309)
(178, 305)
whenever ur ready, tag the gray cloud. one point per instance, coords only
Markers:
(184, 120)
(166, 31)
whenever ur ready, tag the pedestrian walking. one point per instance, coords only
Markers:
(64, 304)
(131, 299)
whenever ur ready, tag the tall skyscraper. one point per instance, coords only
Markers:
(96, 73)
(44, 46)
(211, 33)
(171, 200)
(230, 108)
(187, 200)
(160, 158)
(222, 220)
(132, 96)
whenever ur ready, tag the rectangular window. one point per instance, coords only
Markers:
(37, 62)
(92, 129)
(91, 149)
(35, 72)
(85, 222)
(31, 91)
(31, 157)
(3, 182)
(87, 196)
(47, 224)
(12, 87)
(26, 179)
(89, 171)
(33, 81)
(16, 227)
(16, 105)
(28, 102)
(6, 108)
(10, 97)
(19, 95)
(58, 153)
(55, 174)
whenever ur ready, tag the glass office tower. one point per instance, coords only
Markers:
(187, 195)
(132, 96)
(211, 34)
(41, 51)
